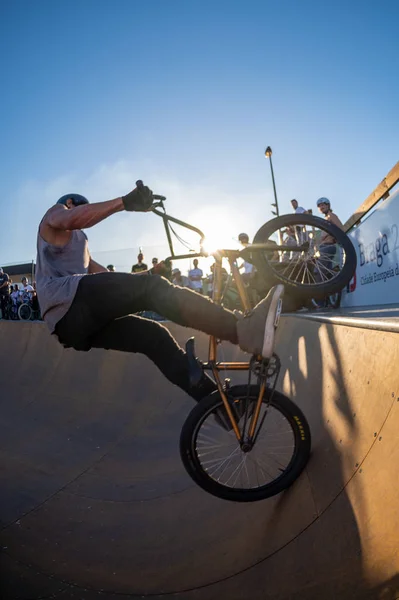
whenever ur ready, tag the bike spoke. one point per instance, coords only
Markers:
(227, 465)
(302, 258)
(267, 476)
(309, 274)
(269, 457)
(329, 271)
(223, 461)
(239, 466)
(222, 458)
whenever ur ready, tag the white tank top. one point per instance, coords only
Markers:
(59, 270)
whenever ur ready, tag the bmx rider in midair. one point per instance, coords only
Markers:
(86, 306)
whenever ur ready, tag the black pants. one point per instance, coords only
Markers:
(99, 317)
(4, 300)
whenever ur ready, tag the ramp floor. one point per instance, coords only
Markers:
(96, 504)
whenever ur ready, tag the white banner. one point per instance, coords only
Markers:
(376, 241)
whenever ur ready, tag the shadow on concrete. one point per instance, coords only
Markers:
(95, 501)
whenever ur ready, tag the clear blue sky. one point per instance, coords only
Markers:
(186, 94)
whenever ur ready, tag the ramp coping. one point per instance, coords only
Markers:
(384, 322)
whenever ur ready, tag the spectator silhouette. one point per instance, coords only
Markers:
(4, 293)
(140, 265)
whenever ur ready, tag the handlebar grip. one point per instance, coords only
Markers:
(140, 186)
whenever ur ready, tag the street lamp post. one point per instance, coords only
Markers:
(268, 154)
(276, 213)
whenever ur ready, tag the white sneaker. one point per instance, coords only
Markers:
(256, 331)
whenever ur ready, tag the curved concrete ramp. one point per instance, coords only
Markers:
(96, 504)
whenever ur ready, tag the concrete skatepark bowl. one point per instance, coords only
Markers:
(96, 504)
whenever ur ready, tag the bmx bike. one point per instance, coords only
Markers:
(28, 310)
(265, 442)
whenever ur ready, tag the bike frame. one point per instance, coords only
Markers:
(213, 364)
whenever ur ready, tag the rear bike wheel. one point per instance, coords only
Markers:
(216, 462)
(25, 312)
(312, 268)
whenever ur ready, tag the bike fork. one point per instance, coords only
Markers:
(267, 373)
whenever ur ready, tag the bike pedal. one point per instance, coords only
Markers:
(194, 365)
(278, 312)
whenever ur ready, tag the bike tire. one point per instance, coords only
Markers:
(269, 269)
(25, 312)
(284, 407)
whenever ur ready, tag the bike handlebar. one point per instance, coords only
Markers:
(140, 185)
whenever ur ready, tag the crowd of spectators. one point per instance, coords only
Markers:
(193, 279)
(13, 295)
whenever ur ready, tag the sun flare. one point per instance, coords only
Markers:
(220, 227)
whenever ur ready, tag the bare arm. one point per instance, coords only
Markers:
(158, 269)
(335, 221)
(140, 273)
(95, 267)
(81, 217)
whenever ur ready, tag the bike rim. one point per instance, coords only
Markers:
(306, 260)
(25, 313)
(220, 456)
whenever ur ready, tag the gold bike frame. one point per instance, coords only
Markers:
(213, 363)
(232, 256)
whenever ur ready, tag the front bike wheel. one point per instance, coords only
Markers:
(216, 462)
(25, 312)
(306, 264)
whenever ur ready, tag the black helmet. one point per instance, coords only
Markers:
(77, 199)
(243, 236)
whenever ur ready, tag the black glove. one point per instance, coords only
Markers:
(140, 199)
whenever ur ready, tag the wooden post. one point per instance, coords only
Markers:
(380, 192)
